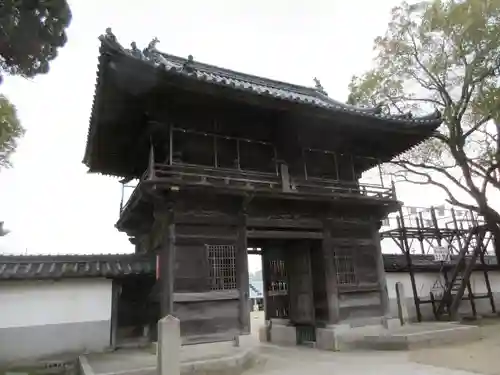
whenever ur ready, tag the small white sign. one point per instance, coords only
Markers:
(441, 254)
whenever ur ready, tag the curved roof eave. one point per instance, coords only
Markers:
(259, 85)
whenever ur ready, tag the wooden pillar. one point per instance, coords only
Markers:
(242, 273)
(382, 281)
(332, 296)
(167, 260)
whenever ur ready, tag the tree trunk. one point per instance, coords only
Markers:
(493, 226)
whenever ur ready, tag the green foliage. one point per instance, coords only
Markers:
(443, 54)
(10, 131)
(31, 31)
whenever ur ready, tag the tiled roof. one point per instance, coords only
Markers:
(175, 67)
(398, 263)
(38, 267)
(262, 86)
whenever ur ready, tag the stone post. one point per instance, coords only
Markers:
(402, 308)
(169, 346)
(382, 281)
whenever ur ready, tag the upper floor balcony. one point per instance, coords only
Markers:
(236, 165)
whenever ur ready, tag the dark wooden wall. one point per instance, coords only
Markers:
(341, 259)
(208, 311)
(355, 255)
(285, 133)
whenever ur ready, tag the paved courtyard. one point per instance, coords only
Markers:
(295, 361)
(481, 357)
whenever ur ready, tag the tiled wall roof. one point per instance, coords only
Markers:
(25, 267)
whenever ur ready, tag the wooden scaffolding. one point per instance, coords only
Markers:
(458, 241)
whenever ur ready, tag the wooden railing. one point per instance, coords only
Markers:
(193, 175)
(258, 181)
(322, 186)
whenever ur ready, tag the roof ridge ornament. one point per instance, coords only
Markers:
(111, 40)
(109, 35)
(152, 45)
(188, 65)
(318, 86)
(136, 52)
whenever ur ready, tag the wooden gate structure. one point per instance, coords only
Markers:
(221, 159)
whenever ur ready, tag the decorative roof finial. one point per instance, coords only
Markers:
(153, 43)
(318, 86)
(135, 51)
(188, 65)
(110, 35)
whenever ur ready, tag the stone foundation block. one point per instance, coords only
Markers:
(283, 335)
(329, 338)
(264, 333)
(391, 323)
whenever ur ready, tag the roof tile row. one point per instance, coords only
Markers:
(73, 266)
(259, 85)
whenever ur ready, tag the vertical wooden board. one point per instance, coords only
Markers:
(365, 259)
(191, 269)
(191, 261)
(300, 278)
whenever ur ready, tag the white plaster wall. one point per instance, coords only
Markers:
(35, 303)
(425, 282)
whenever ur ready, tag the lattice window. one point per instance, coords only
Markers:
(222, 261)
(346, 272)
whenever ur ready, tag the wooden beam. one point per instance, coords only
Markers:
(214, 295)
(284, 234)
(284, 223)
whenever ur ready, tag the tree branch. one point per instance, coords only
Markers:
(489, 171)
(428, 180)
(404, 164)
(480, 123)
(442, 90)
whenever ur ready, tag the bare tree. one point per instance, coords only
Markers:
(444, 54)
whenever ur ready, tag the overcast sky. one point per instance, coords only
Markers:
(49, 201)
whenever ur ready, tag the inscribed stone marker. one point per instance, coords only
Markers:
(401, 300)
(169, 346)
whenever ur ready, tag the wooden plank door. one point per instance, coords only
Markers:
(298, 254)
